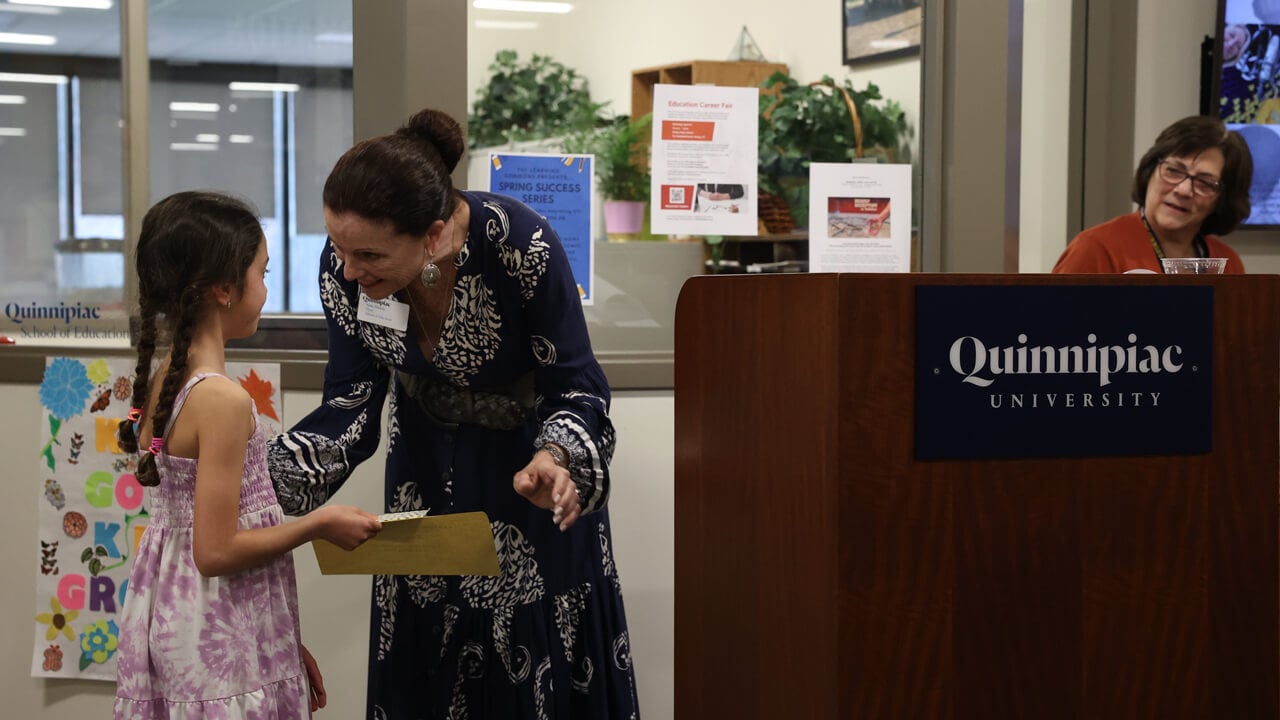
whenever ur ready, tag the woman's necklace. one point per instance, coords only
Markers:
(1201, 248)
(417, 314)
(447, 279)
(428, 338)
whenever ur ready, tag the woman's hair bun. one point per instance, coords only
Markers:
(441, 131)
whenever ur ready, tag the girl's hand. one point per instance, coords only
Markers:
(547, 485)
(345, 525)
(314, 681)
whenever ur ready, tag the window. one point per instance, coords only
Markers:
(256, 100)
(246, 99)
(63, 275)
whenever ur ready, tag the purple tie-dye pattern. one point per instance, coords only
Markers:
(197, 648)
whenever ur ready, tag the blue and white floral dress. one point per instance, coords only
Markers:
(548, 638)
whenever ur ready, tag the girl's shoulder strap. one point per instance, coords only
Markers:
(181, 400)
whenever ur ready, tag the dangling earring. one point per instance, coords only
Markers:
(430, 275)
(228, 305)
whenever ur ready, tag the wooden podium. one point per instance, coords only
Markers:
(824, 572)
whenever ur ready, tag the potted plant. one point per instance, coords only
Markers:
(824, 121)
(619, 147)
(531, 100)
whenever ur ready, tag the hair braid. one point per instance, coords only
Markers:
(189, 242)
(126, 434)
(183, 327)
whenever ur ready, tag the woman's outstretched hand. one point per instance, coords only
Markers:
(547, 485)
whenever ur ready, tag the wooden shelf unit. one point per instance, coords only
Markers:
(730, 73)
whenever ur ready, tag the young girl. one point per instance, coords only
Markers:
(210, 625)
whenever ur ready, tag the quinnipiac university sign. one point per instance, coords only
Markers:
(1063, 371)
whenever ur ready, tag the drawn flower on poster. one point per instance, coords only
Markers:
(98, 371)
(74, 524)
(123, 388)
(98, 642)
(63, 391)
(65, 388)
(59, 621)
(53, 493)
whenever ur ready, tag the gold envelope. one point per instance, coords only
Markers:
(417, 544)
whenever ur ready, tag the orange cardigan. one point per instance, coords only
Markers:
(1122, 244)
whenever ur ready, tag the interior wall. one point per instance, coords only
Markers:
(1168, 63)
(1046, 71)
(335, 609)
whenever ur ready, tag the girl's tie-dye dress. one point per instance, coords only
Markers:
(209, 647)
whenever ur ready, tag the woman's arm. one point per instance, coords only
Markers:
(573, 391)
(222, 412)
(311, 461)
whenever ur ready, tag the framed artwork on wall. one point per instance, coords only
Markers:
(876, 30)
(1246, 90)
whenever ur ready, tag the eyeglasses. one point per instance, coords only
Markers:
(1200, 185)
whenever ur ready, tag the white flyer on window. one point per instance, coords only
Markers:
(704, 160)
(859, 217)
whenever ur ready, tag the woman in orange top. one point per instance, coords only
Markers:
(1192, 185)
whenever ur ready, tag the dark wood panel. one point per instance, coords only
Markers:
(755, 504)
(897, 559)
(1244, 516)
(1145, 539)
(1079, 588)
(1017, 611)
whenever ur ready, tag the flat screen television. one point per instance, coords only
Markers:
(1246, 89)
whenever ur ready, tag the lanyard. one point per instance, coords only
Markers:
(1202, 248)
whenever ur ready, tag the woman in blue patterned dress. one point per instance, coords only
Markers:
(461, 310)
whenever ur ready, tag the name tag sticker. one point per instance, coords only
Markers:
(387, 312)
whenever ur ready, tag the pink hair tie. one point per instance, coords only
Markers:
(157, 444)
(135, 415)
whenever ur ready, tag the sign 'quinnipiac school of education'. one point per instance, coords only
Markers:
(1063, 371)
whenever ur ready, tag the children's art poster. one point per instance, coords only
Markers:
(91, 509)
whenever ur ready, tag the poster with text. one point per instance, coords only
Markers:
(91, 510)
(859, 217)
(559, 188)
(704, 160)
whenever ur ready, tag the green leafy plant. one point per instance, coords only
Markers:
(807, 123)
(619, 146)
(531, 100)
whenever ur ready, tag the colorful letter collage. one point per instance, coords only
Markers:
(92, 510)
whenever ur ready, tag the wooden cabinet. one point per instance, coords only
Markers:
(731, 73)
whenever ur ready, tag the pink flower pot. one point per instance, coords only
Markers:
(624, 217)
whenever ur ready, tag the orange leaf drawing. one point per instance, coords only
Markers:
(260, 390)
